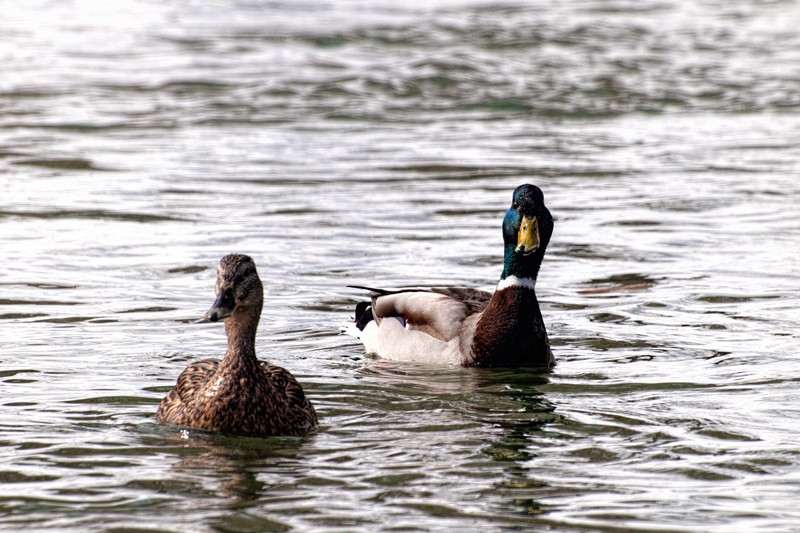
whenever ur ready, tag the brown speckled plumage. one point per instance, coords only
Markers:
(240, 394)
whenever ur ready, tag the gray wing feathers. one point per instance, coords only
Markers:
(439, 311)
(475, 299)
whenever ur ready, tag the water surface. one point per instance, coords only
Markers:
(371, 143)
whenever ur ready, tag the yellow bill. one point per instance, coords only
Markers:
(528, 236)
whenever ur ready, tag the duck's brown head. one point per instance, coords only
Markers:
(238, 287)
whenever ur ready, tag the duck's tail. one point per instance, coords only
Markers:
(363, 317)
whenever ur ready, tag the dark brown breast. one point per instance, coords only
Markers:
(511, 332)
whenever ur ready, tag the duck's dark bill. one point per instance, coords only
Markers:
(528, 236)
(223, 306)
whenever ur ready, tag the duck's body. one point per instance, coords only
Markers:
(239, 394)
(470, 327)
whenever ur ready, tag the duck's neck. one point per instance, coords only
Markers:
(241, 329)
(521, 267)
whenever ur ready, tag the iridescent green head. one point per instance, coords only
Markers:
(527, 228)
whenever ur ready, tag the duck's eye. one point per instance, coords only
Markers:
(514, 205)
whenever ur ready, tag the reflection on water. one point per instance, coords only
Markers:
(346, 143)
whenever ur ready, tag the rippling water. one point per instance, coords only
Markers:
(374, 143)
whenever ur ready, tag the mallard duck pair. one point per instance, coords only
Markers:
(440, 325)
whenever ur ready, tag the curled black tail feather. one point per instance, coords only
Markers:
(363, 315)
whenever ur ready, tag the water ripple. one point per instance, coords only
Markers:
(345, 143)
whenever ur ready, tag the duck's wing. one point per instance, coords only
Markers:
(297, 413)
(172, 408)
(285, 383)
(435, 311)
(474, 299)
(195, 376)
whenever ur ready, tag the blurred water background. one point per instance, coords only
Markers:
(350, 142)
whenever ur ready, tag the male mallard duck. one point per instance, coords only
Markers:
(239, 394)
(470, 327)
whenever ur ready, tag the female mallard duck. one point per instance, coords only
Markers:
(470, 327)
(239, 394)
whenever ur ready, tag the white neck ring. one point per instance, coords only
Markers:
(514, 281)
